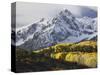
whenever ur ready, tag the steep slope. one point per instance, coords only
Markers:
(64, 27)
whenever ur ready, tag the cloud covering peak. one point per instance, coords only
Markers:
(27, 13)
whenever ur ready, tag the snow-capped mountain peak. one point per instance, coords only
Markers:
(64, 27)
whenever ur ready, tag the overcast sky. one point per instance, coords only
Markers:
(27, 13)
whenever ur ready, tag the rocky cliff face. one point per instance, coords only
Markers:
(64, 27)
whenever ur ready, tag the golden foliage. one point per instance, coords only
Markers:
(60, 55)
(82, 53)
(88, 59)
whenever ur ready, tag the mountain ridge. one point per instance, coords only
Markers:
(62, 28)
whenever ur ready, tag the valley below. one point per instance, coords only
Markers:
(62, 56)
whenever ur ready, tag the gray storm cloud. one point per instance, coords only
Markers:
(27, 13)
